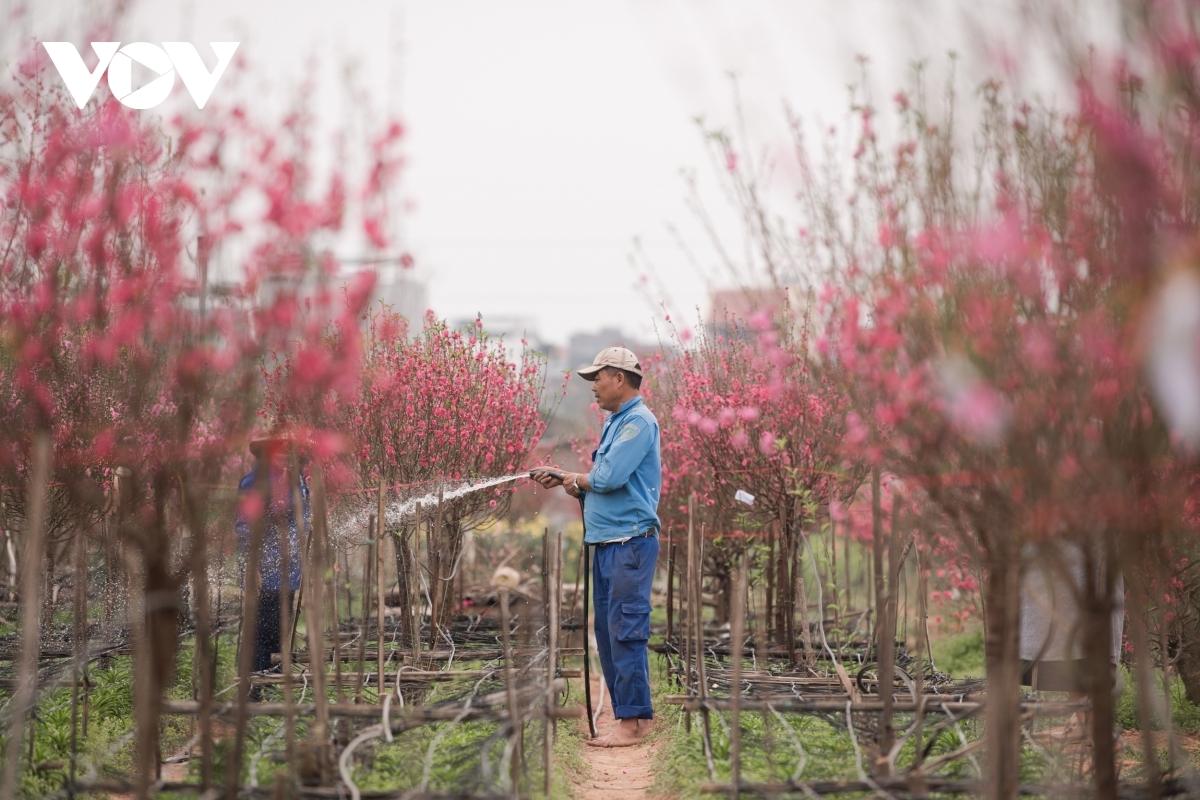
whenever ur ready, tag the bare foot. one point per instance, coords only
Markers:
(626, 733)
(1073, 731)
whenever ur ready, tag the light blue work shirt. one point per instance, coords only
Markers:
(627, 477)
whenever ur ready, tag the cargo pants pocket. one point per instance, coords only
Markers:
(634, 622)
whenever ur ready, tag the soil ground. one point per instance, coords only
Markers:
(616, 773)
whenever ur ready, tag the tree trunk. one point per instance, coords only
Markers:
(404, 590)
(1188, 662)
(787, 589)
(802, 601)
(1099, 605)
(445, 542)
(722, 599)
(161, 609)
(1002, 614)
(769, 617)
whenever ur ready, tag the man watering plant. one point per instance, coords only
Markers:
(272, 455)
(621, 520)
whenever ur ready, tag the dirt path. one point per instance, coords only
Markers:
(616, 773)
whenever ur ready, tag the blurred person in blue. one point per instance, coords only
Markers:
(620, 512)
(272, 454)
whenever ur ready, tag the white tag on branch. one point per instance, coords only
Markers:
(742, 496)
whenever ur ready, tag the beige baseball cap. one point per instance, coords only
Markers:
(617, 357)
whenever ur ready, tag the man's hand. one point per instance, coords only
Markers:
(572, 482)
(547, 478)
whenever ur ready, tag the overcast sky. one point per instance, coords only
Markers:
(543, 137)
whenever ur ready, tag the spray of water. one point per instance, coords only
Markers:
(399, 510)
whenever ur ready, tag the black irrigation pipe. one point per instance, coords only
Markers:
(587, 668)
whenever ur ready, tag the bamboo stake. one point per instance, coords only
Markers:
(233, 768)
(306, 538)
(203, 651)
(435, 575)
(769, 619)
(348, 585)
(110, 579)
(545, 577)
(552, 570)
(366, 609)
(314, 618)
(670, 586)
(800, 590)
(917, 784)
(587, 658)
(288, 620)
(510, 689)
(877, 553)
(689, 625)
(78, 642)
(25, 697)
(337, 628)
(698, 625)
(578, 583)
(685, 611)
(737, 631)
(846, 566)
(143, 697)
(887, 642)
(786, 579)
(831, 548)
(380, 528)
(414, 592)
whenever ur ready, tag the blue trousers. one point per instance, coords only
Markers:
(621, 579)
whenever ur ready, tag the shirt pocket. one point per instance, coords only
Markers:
(634, 624)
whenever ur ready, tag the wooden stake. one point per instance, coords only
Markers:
(337, 576)
(313, 614)
(78, 643)
(25, 697)
(877, 553)
(772, 628)
(698, 624)
(380, 532)
(366, 609)
(738, 633)
(887, 640)
(552, 569)
(801, 593)
(846, 566)
(414, 592)
(287, 626)
(670, 587)
(917, 782)
(202, 662)
(514, 715)
(249, 628)
(435, 575)
(689, 624)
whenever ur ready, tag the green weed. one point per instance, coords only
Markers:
(1185, 716)
(960, 655)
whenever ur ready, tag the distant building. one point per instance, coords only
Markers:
(583, 347)
(513, 327)
(404, 293)
(729, 307)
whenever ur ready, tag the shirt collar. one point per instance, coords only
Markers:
(628, 404)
